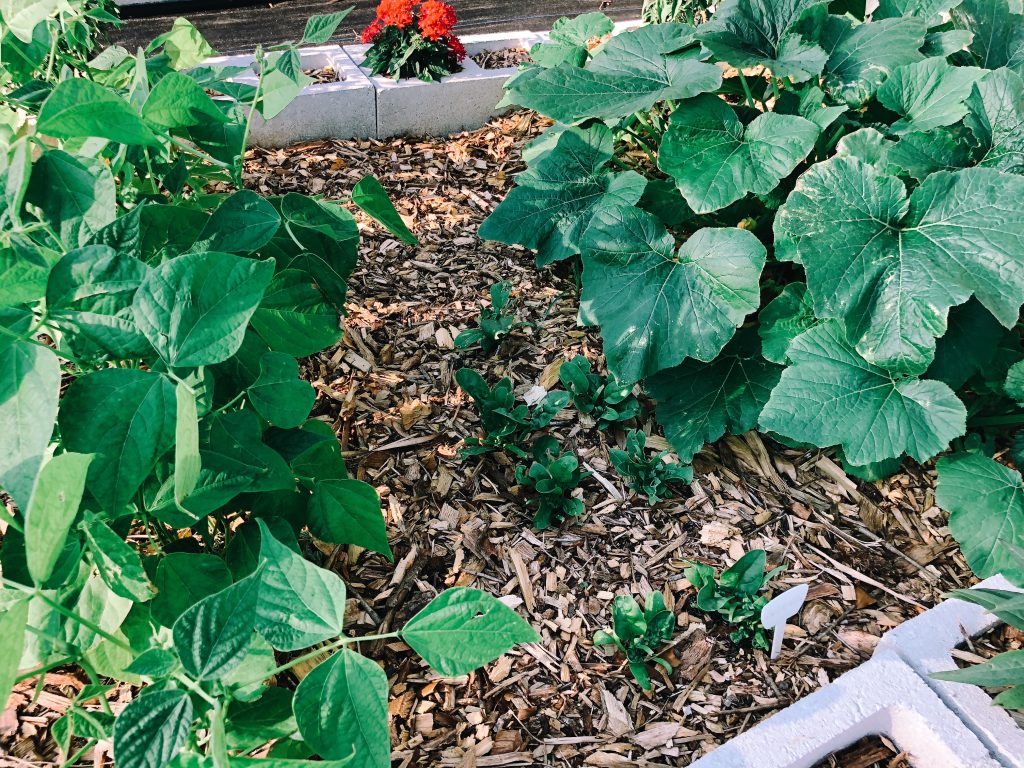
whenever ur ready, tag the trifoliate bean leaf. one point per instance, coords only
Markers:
(279, 395)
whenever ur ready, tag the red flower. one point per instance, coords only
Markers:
(436, 19)
(395, 13)
(455, 46)
(371, 31)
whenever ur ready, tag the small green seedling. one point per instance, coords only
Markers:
(507, 425)
(495, 324)
(639, 633)
(604, 400)
(552, 476)
(734, 595)
(647, 475)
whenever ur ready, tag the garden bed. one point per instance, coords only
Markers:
(874, 554)
(389, 390)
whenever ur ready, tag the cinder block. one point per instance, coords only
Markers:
(460, 102)
(883, 696)
(340, 110)
(926, 642)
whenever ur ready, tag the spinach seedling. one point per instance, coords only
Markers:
(552, 476)
(496, 322)
(604, 400)
(735, 595)
(506, 424)
(647, 475)
(638, 633)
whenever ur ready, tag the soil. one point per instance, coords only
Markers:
(502, 58)
(874, 554)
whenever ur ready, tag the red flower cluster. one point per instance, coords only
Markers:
(455, 46)
(436, 19)
(395, 13)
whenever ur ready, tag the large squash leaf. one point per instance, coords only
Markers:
(862, 56)
(716, 160)
(631, 73)
(996, 118)
(928, 94)
(699, 402)
(986, 504)
(753, 33)
(657, 306)
(891, 267)
(558, 196)
(998, 32)
(832, 396)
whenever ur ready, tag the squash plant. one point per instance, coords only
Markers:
(160, 461)
(793, 217)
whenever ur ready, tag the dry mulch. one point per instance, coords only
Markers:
(875, 554)
(322, 75)
(502, 58)
(869, 752)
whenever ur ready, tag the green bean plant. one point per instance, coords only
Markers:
(161, 460)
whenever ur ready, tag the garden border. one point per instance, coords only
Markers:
(369, 106)
(941, 724)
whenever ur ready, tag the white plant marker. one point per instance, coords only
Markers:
(778, 610)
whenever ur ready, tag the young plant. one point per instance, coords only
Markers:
(496, 322)
(795, 278)
(735, 595)
(413, 39)
(604, 400)
(639, 633)
(161, 461)
(507, 425)
(648, 475)
(552, 477)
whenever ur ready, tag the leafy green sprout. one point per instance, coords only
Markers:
(507, 424)
(603, 399)
(648, 475)
(736, 595)
(496, 322)
(552, 477)
(639, 633)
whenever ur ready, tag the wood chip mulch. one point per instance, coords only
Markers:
(875, 554)
(323, 75)
(502, 58)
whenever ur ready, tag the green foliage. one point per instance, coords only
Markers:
(496, 322)
(163, 461)
(735, 595)
(794, 250)
(604, 400)
(506, 424)
(650, 476)
(552, 477)
(639, 633)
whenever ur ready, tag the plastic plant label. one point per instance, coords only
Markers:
(775, 614)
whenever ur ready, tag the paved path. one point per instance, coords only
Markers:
(239, 27)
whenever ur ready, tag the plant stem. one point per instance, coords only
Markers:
(775, 89)
(1012, 420)
(746, 90)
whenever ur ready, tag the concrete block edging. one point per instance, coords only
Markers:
(940, 724)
